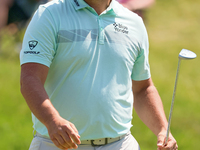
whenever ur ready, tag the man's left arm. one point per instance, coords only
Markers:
(149, 107)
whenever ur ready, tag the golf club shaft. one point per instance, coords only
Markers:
(172, 103)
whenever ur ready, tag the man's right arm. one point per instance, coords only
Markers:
(63, 133)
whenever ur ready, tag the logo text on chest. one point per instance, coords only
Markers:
(120, 28)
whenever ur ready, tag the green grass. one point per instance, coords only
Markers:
(15, 122)
(172, 25)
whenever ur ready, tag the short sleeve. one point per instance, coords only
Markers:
(141, 68)
(39, 43)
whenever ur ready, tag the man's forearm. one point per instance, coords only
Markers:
(62, 132)
(37, 99)
(149, 108)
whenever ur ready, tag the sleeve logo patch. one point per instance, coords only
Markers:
(32, 44)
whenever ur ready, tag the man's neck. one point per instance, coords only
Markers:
(99, 5)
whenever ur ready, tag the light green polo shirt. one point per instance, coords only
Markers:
(92, 60)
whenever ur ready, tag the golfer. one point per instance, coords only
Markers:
(84, 66)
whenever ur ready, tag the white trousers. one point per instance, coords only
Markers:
(126, 143)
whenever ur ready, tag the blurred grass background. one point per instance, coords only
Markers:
(171, 25)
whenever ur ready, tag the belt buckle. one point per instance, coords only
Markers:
(92, 143)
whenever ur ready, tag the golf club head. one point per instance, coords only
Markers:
(187, 54)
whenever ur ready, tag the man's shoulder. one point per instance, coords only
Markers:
(56, 8)
(125, 13)
(56, 5)
(130, 18)
(53, 4)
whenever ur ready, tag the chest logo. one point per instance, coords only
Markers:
(120, 28)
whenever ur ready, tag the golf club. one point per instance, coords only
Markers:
(184, 54)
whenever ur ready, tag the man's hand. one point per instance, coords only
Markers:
(63, 134)
(171, 143)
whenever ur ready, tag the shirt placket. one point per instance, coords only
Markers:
(101, 30)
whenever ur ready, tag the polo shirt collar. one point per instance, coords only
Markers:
(113, 7)
(80, 4)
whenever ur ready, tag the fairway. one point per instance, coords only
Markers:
(172, 26)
